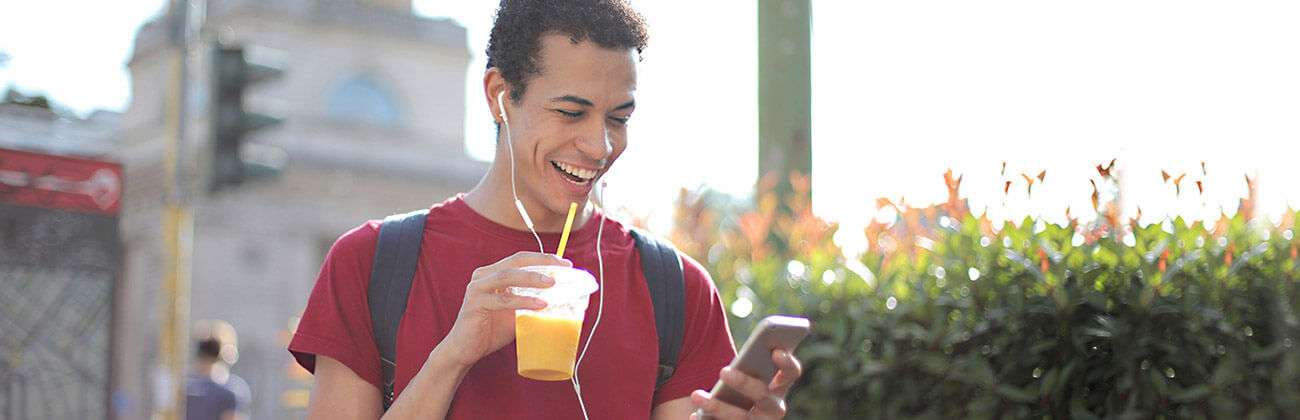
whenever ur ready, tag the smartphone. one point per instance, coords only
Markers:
(755, 356)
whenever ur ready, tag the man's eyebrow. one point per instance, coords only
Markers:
(574, 99)
(626, 105)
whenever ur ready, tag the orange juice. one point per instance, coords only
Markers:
(546, 346)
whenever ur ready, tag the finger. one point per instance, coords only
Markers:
(525, 258)
(508, 301)
(518, 260)
(788, 371)
(752, 388)
(698, 399)
(716, 409)
(512, 277)
(771, 406)
(697, 403)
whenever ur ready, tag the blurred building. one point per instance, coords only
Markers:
(60, 256)
(373, 101)
(40, 129)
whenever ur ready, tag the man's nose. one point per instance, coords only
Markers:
(594, 142)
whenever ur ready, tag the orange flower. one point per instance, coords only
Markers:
(956, 207)
(800, 183)
(1221, 227)
(1105, 171)
(1096, 195)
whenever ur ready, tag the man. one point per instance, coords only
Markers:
(211, 391)
(566, 71)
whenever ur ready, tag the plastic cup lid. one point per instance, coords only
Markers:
(569, 283)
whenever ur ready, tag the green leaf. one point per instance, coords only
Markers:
(1064, 380)
(981, 371)
(1049, 383)
(1224, 373)
(1158, 381)
(1193, 393)
(819, 351)
(1016, 394)
(1266, 353)
(1079, 409)
(935, 364)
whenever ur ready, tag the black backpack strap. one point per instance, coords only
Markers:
(396, 256)
(663, 274)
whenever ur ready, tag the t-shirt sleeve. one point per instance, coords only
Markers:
(243, 395)
(228, 402)
(336, 322)
(706, 341)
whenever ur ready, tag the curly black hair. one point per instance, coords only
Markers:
(520, 24)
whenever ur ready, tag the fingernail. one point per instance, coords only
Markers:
(782, 354)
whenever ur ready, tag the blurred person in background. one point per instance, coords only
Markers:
(211, 391)
(567, 73)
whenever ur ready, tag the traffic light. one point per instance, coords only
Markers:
(234, 159)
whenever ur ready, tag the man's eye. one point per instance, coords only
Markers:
(620, 120)
(569, 114)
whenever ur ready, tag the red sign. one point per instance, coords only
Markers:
(60, 182)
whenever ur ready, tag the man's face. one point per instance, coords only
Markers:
(571, 124)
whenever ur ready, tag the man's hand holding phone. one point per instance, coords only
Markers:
(754, 386)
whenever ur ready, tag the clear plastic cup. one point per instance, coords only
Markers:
(546, 341)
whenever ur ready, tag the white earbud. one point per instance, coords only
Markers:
(501, 107)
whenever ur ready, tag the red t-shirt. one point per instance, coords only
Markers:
(618, 372)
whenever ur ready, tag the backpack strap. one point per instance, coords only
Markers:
(396, 257)
(663, 274)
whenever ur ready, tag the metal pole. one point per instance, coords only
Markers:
(178, 225)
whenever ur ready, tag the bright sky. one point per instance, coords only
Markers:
(901, 91)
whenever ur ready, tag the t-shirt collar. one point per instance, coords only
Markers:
(461, 210)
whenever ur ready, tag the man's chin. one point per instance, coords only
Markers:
(560, 205)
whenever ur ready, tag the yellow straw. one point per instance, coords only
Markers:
(568, 224)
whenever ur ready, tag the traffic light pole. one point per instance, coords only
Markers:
(178, 226)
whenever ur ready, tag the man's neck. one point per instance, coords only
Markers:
(492, 198)
(203, 367)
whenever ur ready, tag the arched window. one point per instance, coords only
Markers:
(359, 99)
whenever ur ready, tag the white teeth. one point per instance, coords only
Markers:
(585, 174)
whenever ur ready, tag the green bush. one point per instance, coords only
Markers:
(946, 317)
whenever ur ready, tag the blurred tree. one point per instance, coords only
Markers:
(948, 316)
(784, 92)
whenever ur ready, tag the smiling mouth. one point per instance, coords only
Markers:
(574, 174)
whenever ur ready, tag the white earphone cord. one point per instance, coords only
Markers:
(600, 260)
(510, 144)
(600, 305)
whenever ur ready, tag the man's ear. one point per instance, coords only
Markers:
(493, 84)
